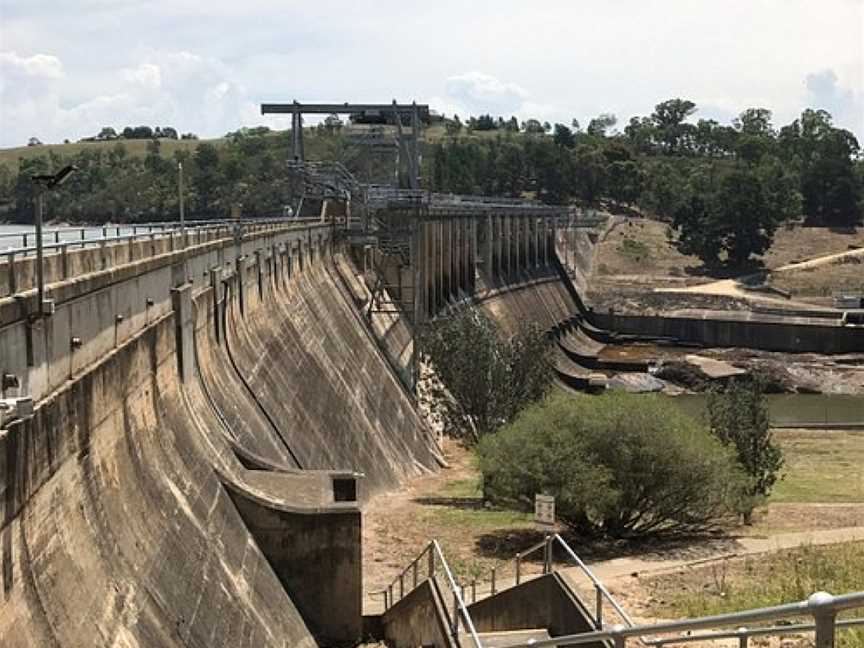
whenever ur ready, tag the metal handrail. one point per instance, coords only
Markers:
(598, 585)
(430, 553)
(743, 634)
(823, 607)
(173, 231)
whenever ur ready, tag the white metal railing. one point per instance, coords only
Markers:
(548, 545)
(409, 578)
(821, 606)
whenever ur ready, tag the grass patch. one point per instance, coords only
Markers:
(634, 249)
(467, 488)
(821, 466)
(762, 581)
(479, 519)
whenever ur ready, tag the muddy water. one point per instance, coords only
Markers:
(790, 410)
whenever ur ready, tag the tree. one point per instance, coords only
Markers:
(736, 216)
(563, 136)
(825, 157)
(533, 126)
(485, 123)
(481, 378)
(620, 465)
(738, 417)
(589, 176)
(668, 118)
(107, 134)
(598, 126)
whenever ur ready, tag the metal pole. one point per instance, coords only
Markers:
(180, 194)
(493, 581)
(518, 567)
(598, 614)
(40, 277)
(743, 639)
(824, 617)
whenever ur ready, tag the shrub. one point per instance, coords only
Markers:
(620, 464)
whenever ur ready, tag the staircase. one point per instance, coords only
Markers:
(425, 606)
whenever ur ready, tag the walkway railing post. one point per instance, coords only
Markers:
(743, 638)
(824, 617)
(618, 638)
(598, 615)
(518, 567)
(431, 562)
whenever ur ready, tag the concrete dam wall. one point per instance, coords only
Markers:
(189, 476)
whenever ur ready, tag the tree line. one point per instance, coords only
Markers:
(724, 189)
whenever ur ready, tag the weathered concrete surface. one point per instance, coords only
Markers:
(116, 530)
(419, 619)
(543, 602)
(120, 497)
(748, 330)
(303, 350)
(317, 558)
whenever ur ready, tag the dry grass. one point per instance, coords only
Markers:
(845, 276)
(638, 247)
(760, 581)
(821, 466)
(10, 156)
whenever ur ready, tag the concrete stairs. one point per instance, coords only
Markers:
(511, 637)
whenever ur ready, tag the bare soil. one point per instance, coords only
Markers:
(447, 506)
(635, 256)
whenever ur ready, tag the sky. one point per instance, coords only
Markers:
(70, 67)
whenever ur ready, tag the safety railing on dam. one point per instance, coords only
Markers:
(118, 244)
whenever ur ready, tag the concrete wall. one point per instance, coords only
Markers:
(749, 330)
(317, 558)
(302, 348)
(117, 531)
(545, 602)
(418, 619)
(120, 496)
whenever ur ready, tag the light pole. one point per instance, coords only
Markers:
(43, 183)
(180, 192)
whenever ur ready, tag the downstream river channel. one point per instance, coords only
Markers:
(793, 410)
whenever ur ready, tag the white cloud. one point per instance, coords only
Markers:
(483, 93)
(43, 66)
(147, 75)
(206, 68)
(825, 91)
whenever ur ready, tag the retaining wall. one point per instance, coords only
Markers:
(749, 330)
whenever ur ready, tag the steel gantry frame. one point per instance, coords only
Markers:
(409, 142)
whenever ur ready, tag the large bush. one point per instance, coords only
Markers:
(620, 464)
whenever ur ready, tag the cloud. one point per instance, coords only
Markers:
(42, 66)
(824, 91)
(147, 75)
(167, 88)
(478, 93)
